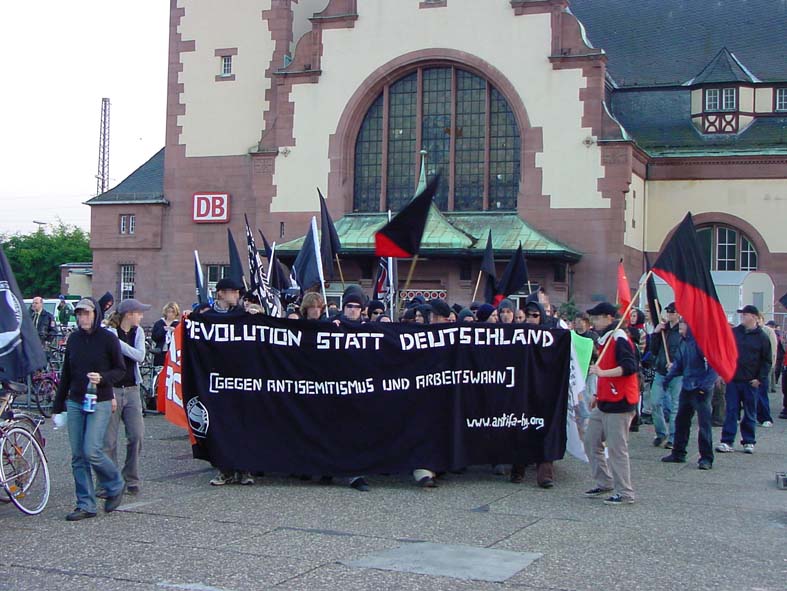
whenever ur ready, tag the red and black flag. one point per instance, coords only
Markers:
(654, 306)
(401, 237)
(514, 277)
(330, 245)
(488, 268)
(682, 265)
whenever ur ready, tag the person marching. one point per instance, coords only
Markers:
(617, 396)
(125, 324)
(92, 357)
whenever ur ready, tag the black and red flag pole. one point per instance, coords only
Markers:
(682, 265)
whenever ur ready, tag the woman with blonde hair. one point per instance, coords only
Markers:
(162, 330)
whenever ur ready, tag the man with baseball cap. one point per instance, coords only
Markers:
(126, 326)
(614, 407)
(754, 365)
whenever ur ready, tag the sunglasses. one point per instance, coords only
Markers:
(531, 315)
(352, 306)
(376, 312)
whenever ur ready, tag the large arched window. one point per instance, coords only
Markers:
(727, 249)
(467, 129)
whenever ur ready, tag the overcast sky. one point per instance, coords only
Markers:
(61, 59)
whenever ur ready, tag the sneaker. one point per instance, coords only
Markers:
(245, 478)
(427, 482)
(597, 492)
(748, 448)
(783, 414)
(79, 515)
(113, 503)
(704, 465)
(223, 478)
(766, 424)
(668, 445)
(618, 500)
(360, 484)
(724, 448)
(132, 490)
(657, 441)
(673, 459)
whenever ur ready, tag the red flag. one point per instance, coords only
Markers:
(401, 237)
(682, 265)
(169, 394)
(624, 291)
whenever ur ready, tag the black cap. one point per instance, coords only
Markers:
(602, 309)
(352, 298)
(440, 308)
(670, 307)
(228, 283)
(375, 305)
(749, 310)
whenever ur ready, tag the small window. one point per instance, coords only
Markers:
(729, 99)
(132, 223)
(123, 224)
(127, 280)
(216, 272)
(727, 249)
(781, 99)
(712, 99)
(226, 65)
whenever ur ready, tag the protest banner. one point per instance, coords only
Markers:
(263, 394)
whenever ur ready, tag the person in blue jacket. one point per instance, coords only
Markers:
(695, 396)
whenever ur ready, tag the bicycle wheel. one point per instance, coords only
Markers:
(23, 471)
(44, 393)
(29, 422)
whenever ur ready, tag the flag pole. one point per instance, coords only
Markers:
(663, 336)
(410, 273)
(341, 274)
(477, 283)
(623, 317)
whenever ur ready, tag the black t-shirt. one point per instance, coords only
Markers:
(129, 377)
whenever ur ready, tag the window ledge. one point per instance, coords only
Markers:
(225, 78)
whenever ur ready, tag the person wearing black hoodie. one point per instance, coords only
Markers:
(93, 356)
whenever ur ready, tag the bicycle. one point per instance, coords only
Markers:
(24, 472)
(44, 388)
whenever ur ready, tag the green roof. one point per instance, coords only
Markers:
(449, 234)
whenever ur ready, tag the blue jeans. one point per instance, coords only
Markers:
(763, 404)
(665, 401)
(740, 394)
(86, 436)
(691, 401)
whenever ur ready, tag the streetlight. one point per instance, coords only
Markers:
(41, 225)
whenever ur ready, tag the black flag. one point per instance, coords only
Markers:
(488, 267)
(236, 267)
(330, 245)
(278, 276)
(20, 348)
(514, 276)
(783, 300)
(307, 268)
(654, 307)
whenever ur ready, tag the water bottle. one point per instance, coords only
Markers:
(89, 404)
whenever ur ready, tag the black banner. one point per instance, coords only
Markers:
(272, 395)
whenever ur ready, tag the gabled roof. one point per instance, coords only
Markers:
(724, 67)
(449, 233)
(144, 185)
(667, 42)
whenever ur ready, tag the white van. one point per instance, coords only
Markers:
(50, 305)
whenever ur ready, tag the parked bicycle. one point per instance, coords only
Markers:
(44, 388)
(24, 472)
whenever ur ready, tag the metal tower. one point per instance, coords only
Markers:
(102, 178)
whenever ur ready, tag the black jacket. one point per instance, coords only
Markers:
(754, 354)
(656, 347)
(97, 350)
(158, 335)
(45, 325)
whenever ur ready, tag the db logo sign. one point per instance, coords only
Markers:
(211, 208)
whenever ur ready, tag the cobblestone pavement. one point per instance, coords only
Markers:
(725, 529)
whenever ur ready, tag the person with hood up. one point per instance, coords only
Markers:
(695, 396)
(486, 313)
(535, 314)
(92, 356)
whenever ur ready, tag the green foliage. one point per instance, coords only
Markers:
(568, 310)
(36, 257)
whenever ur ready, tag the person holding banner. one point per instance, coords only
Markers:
(617, 396)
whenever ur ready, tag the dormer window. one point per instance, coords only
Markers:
(721, 99)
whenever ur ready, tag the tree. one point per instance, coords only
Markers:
(36, 257)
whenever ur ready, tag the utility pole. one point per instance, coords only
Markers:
(102, 177)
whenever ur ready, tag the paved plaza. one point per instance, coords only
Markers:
(690, 530)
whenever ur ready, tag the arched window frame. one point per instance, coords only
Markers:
(730, 248)
(495, 104)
